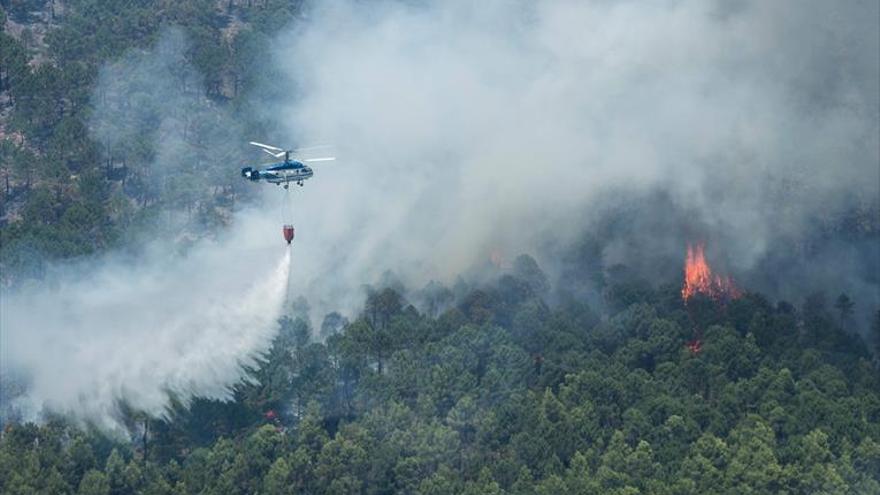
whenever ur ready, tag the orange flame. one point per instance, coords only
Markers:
(698, 278)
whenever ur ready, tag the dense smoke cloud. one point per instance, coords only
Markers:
(466, 127)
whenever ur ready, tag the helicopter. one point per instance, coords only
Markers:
(283, 173)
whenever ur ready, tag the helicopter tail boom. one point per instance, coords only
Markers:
(249, 173)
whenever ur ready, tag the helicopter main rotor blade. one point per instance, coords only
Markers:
(266, 146)
(276, 155)
(324, 159)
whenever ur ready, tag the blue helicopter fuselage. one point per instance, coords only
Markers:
(280, 173)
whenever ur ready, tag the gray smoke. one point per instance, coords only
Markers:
(152, 117)
(466, 127)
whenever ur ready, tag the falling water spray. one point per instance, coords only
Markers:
(142, 332)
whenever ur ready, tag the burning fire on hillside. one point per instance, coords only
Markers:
(699, 279)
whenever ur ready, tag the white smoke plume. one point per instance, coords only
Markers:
(142, 329)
